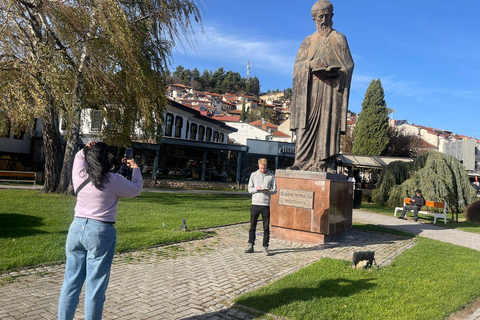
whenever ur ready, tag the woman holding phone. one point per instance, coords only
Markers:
(91, 239)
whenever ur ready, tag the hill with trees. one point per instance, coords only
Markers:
(219, 81)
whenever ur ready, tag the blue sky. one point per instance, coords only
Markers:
(426, 53)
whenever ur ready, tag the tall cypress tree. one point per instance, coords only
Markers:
(243, 115)
(371, 130)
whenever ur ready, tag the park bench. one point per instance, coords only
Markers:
(18, 176)
(430, 204)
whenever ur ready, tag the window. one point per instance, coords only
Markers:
(222, 137)
(188, 130)
(96, 118)
(178, 126)
(193, 131)
(209, 135)
(168, 124)
(201, 133)
(215, 136)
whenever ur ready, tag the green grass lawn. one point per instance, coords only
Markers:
(430, 281)
(462, 224)
(34, 226)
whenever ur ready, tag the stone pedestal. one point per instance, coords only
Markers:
(310, 207)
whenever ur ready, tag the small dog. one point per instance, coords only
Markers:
(363, 259)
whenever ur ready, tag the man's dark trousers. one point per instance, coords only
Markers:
(414, 208)
(254, 214)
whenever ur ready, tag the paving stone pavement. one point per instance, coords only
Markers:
(191, 280)
(199, 279)
(467, 239)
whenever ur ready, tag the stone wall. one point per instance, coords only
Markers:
(191, 184)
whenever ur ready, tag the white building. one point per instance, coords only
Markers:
(247, 131)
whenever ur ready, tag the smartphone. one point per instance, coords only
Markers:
(129, 153)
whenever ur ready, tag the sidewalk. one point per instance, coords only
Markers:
(199, 279)
(461, 238)
(191, 280)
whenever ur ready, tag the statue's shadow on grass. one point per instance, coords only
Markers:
(266, 302)
(13, 225)
(339, 287)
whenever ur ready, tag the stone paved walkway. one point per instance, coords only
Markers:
(190, 280)
(199, 279)
(427, 230)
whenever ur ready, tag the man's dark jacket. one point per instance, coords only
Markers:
(419, 201)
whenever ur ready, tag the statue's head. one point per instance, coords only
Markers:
(322, 14)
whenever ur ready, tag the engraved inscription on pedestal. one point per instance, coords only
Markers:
(296, 198)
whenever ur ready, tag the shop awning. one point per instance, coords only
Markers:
(368, 162)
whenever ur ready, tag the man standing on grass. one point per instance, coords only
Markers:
(261, 185)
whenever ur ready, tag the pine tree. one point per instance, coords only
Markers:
(371, 130)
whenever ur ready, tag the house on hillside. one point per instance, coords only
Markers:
(178, 91)
(271, 97)
(265, 125)
(250, 102)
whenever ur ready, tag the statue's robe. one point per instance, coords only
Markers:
(320, 104)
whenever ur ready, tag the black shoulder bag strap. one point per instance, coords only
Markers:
(84, 183)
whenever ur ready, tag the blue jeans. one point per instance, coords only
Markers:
(89, 248)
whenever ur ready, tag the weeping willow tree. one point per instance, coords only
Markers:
(60, 57)
(440, 177)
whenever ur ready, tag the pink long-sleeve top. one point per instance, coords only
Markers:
(102, 205)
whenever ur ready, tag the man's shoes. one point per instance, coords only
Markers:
(416, 219)
(402, 218)
(265, 251)
(249, 248)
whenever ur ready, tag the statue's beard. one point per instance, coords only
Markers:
(324, 29)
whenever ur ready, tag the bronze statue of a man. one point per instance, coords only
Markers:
(321, 86)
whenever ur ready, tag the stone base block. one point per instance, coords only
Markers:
(299, 236)
(311, 207)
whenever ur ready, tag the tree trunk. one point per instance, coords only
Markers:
(65, 185)
(74, 123)
(52, 151)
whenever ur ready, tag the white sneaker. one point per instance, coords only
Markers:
(265, 251)
(249, 248)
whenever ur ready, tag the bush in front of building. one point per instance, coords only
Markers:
(472, 212)
(441, 178)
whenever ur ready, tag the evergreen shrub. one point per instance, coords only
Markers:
(472, 212)
(441, 178)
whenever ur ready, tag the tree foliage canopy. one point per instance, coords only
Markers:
(58, 57)
(441, 178)
(403, 144)
(219, 81)
(371, 131)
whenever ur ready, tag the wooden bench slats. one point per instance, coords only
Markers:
(434, 204)
(18, 174)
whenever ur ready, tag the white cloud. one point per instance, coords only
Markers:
(273, 56)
